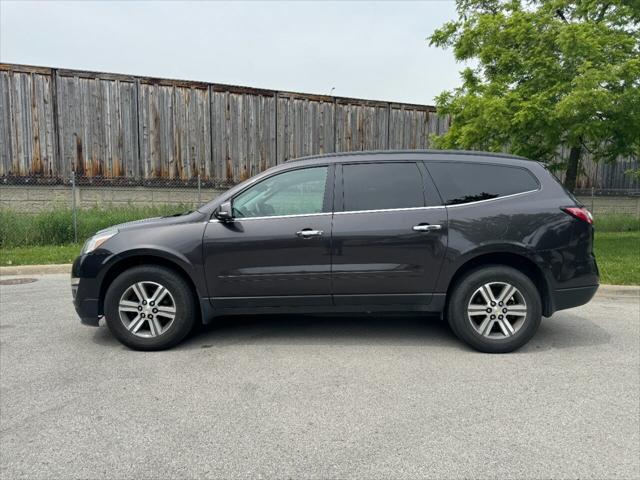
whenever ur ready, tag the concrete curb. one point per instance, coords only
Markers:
(626, 290)
(629, 290)
(35, 269)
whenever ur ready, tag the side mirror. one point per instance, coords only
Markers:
(224, 213)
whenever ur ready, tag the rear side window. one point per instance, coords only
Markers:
(378, 186)
(461, 182)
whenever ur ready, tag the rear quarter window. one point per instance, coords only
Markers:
(464, 182)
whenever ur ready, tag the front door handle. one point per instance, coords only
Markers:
(423, 227)
(308, 233)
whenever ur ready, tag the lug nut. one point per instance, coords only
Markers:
(500, 317)
(493, 317)
(144, 302)
(150, 317)
(493, 304)
(142, 315)
(155, 310)
(140, 308)
(500, 304)
(152, 303)
(504, 310)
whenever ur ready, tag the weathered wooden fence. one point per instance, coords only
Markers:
(55, 121)
(139, 130)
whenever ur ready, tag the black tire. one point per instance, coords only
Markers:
(182, 298)
(465, 289)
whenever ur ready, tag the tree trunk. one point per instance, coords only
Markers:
(572, 168)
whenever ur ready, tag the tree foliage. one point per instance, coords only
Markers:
(546, 73)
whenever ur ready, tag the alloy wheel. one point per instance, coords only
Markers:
(147, 309)
(497, 310)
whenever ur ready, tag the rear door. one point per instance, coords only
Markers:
(389, 234)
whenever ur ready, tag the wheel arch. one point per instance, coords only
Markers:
(125, 263)
(509, 259)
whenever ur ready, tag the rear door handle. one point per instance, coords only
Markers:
(308, 233)
(426, 228)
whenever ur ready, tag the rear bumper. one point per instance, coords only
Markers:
(572, 297)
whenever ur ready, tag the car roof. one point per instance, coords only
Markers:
(386, 155)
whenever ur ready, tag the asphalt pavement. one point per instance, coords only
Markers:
(316, 397)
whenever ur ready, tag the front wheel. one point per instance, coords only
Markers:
(149, 308)
(495, 309)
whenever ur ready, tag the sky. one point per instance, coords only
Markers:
(373, 50)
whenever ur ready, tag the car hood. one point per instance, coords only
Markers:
(189, 217)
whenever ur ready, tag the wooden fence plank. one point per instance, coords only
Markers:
(361, 126)
(305, 127)
(27, 146)
(98, 132)
(244, 127)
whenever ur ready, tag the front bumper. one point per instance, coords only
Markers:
(85, 295)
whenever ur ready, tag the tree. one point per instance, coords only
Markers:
(546, 73)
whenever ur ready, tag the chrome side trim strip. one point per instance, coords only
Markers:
(493, 199)
(390, 210)
(299, 215)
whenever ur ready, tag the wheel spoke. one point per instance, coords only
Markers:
(159, 294)
(140, 292)
(154, 331)
(507, 293)
(128, 306)
(477, 309)
(488, 327)
(157, 327)
(486, 292)
(136, 323)
(166, 311)
(518, 310)
(485, 326)
(506, 327)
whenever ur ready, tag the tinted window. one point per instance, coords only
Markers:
(471, 182)
(290, 193)
(373, 186)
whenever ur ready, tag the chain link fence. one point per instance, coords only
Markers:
(38, 211)
(612, 201)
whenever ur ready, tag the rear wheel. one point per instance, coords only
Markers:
(149, 308)
(496, 309)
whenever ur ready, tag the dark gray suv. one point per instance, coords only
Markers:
(491, 242)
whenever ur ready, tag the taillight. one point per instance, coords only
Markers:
(580, 213)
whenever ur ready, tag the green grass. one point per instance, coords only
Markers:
(39, 255)
(55, 227)
(617, 223)
(618, 257)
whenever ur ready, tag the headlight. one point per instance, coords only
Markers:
(97, 240)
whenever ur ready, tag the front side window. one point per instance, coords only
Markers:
(295, 192)
(464, 182)
(382, 186)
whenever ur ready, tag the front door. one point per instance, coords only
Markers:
(276, 251)
(389, 234)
